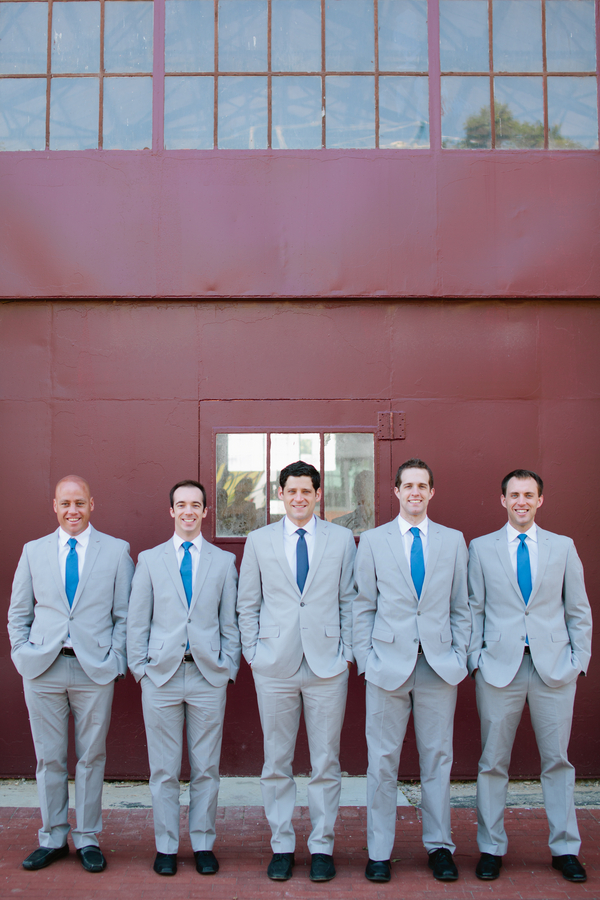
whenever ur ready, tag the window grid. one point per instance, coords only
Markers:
(323, 72)
(543, 74)
(50, 76)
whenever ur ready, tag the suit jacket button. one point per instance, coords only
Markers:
(416, 641)
(419, 612)
(303, 603)
(189, 621)
(526, 613)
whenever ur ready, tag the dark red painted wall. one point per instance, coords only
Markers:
(324, 223)
(112, 391)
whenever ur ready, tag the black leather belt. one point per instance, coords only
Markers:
(67, 651)
(420, 651)
(527, 650)
(187, 657)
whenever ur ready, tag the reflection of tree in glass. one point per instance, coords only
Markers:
(510, 131)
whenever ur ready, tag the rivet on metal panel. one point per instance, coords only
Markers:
(391, 426)
(398, 423)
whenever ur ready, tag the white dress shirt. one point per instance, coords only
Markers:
(408, 537)
(531, 543)
(290, 539)
(194, 553)
(83, 540)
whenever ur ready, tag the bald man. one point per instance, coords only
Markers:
(67, 627)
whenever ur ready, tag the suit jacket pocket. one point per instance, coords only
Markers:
(332, 631)
(378, 634)
(268, 631)
(491, 636)
(35, 638)
(215, 644)
(560, 637)
(446, 636)
(154, 644)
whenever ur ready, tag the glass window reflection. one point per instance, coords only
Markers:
(286, 449)
(241, 484)
(296, 35)
(189, 108)
(466, 117)
(74, 104)
(570, 36)
(349, 480)
(23, 38)
(127, 113)
(189, 36)
(296, 117)
(350, 106)
(243, 35)
(517, 35)
(76, 36)
(402, 35)
(22, 113)
(403, 112)
(464, 36)
(572, 113)
(128, 35)
(519, 113)
(349, 35)
(243, 115)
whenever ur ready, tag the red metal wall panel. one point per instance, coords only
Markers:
(112, 390)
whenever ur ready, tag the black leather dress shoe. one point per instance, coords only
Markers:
(92, 858)
(44, 856)
(570, 867)
(488, 867)
(165, 864)
(321, 867)
(378, 870)
(206, 862)
(443, 865)
(280, 867)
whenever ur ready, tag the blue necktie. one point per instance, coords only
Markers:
(71, 571)
(301, 559)
(417, 561)
(186, 570)
(524, 568)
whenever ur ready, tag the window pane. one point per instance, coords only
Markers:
(23, 38)
(403, 112)
(243, 35)
(296, 102)
(74, 104)
(350, 109)
(76, 37)
(128, 28)
(349, 482)
(243, 112)
(241, 484)
(22, 113)
(466, 119)
(517, 35)
(464, 38)
(570, 36)
(189, 113)
(189, 36)
(286, 449)
(349, 35)
(572, 113)
(403, 35)
(519, 112)
(127, 113)
(296, 36)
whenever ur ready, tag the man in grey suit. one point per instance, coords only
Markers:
(411, 631)
(66, 623)
(532, 630)
(295, 616)
(183, 645)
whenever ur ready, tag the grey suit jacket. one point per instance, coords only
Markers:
(390, 620)
(278, 624)
(160, 623)
(557, 620)
(39, 617)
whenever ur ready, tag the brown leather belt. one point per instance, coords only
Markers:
(67, 651)
(187, 657)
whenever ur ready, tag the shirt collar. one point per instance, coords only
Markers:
(406, 526)
(290, 528)
(178, 541)
(82, 538)
(513, 535)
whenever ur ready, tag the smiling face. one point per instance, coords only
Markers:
(414, 495)
(522, 501)
(188, 511)
(73, 505)
(299, 499)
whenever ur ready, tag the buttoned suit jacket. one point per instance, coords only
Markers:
(40, 619)
(557, 619)
(390, 621)
(279, 624)
(160, 622)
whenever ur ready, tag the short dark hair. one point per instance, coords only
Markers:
(189, 482)
(413, 464)
(523, 473)
(298, 470)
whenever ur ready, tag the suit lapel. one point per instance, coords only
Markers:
(321, 535)
(397, 546)
(91, 554)
(502, 548)
(170, 558)
(543, 542)
(206, 555)
(52, 552)
(278, 547)
(434, 545)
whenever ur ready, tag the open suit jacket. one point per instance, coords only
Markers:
(557, 619)
(39, 617)
(279, 625)
(390, 620)
(160, 622)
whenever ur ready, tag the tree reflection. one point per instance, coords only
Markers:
(510, 131)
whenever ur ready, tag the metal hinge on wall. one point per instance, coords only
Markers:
(391, 426)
